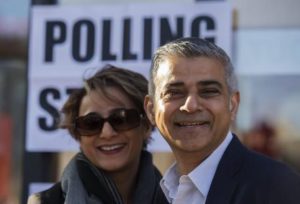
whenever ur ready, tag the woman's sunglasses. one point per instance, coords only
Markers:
(120, 120)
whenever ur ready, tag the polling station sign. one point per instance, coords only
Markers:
(68, 43)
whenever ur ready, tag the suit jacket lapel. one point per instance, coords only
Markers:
(227, 174)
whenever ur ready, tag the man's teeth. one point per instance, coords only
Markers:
(111, 147)
(190, 123)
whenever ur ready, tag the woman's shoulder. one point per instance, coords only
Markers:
(51, 195)
(34, 199)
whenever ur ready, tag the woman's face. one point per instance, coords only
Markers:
(111, 150)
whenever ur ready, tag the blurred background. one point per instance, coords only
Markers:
(266, 54)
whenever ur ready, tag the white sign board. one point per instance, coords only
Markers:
(268, 51)
(38, 187)
(65, 41)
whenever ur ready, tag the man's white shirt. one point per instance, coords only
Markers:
(193, 188)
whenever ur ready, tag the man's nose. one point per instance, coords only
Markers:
(191, 104)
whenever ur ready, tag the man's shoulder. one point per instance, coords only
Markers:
(257, 164)
(270, 167)
(266, 170)
(256, 178)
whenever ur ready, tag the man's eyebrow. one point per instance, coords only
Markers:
(210, 83)
(177, 84)
(174, 84)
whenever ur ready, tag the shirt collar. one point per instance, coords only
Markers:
(201, 176)
(169, 183)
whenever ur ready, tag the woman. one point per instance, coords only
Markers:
(107, 118)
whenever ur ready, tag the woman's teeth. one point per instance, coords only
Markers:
(111, 147)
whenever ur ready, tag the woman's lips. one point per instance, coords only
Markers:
(111, 149)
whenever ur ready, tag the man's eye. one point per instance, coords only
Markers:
(172, 94)
(209, 92)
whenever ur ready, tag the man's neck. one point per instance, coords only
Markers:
(188, 161)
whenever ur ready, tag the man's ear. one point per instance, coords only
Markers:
(234, 104)
(149, 109)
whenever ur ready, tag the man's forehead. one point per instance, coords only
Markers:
(200, 71)
(164, 68)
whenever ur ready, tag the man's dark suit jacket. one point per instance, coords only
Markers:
(245, 177)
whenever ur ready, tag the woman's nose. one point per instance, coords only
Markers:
(107, 131)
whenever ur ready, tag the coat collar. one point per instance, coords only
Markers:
(227, 174)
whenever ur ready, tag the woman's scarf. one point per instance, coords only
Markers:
(83, 183)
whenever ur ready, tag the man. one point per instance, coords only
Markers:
(193, 100)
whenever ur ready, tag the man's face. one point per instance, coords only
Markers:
(192, 107)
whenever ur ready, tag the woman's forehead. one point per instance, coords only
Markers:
(111, 95)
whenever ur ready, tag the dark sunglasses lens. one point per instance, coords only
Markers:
(125, 119)
(89, 125)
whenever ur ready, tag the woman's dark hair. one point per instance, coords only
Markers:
(132, 84)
